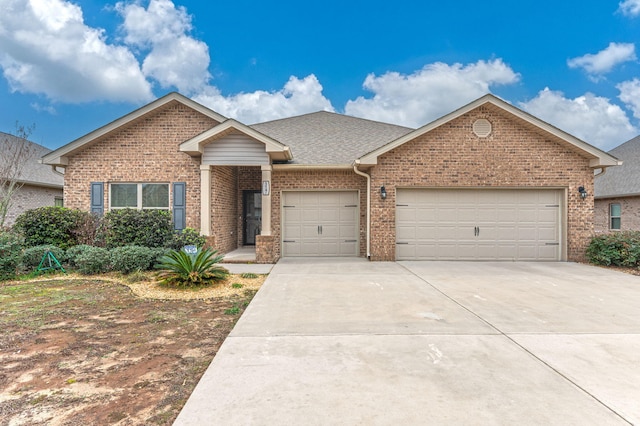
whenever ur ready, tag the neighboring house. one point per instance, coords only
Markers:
(485, 182)
(40, 185)
(617, 204)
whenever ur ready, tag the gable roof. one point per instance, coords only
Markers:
(623, 180)
(598, 157)
(195, 145)
(327, 138)
(33, 172)
(59, 156)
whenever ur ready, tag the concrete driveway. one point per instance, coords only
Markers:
(351, 342)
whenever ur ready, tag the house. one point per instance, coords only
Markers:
(617, 191)
(38, 184)
(485, 182)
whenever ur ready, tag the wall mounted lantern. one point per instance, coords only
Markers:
(383, 192)
(583, 192)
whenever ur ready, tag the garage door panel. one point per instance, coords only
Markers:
(320, 223)
(479, 224)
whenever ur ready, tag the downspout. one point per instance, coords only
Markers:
(358, 172)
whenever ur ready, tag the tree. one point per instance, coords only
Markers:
(16, 153)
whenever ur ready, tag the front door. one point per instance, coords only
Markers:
(252, 214)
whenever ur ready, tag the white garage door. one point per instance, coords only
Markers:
(482, 224)
(318, 223)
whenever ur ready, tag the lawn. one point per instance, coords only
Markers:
(78, 350)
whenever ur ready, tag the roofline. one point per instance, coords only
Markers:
(603, 197)
(195, 145)
(599, 158)
(37, 183)
(58, 156)
(312, 166)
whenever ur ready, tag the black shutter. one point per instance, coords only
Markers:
(179, 205)
(97, 198)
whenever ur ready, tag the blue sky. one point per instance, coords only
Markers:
(71, 67)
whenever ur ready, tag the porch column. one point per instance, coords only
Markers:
(266, 199)
(205, 199)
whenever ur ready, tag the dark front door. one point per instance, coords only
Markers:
(252, 214)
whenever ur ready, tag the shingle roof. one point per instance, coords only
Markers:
(327, 138)
(33, 173)
(624, 179)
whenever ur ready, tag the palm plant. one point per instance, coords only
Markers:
(182, 269)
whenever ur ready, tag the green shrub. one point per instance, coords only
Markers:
(187, 237)
(50, 225)
(32, 256)
(615, 249)
(130, 227)
(128, 259)
(73, 252)
(10, 254)
(93, 260)
(182, 269)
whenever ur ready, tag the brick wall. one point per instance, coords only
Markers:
(30, 197)
(630, 213)
(143, 151)
(452, 156)
(315, 180)
(224, 207)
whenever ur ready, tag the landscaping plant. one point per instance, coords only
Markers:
(181, 269)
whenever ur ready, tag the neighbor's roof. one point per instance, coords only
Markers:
(625, 179)
(33, 173)
(327, 138)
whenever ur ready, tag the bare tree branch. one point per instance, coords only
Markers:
(16, 153)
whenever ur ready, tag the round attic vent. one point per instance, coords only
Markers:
(482, 128)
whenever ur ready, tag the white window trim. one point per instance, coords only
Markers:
(139, 195)
(611, 217)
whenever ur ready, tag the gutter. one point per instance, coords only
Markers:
(358, 172)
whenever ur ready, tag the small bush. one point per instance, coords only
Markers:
(128, 259)
(615, 249)
(50, 225)
(130, 227)
(182, 269)
(93, 260)
(249, 275)
(10, 254)
(72, 253)
(187, 237)
(32, 256)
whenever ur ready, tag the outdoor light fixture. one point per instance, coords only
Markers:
(383, 192)
(583, 192)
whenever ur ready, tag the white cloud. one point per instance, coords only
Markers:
(630, 7)
(437, 89)
(47, 49)
(299, 96)
(591, 118)
(604, 61)
(174, 59)
(630, 95)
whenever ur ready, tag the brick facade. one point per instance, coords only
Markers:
(452, 156)
(30, 197)
(629, 209)
(143, 151)
(449, 156)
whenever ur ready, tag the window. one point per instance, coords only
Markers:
(139, 196)
(58, 202)
(614, 216)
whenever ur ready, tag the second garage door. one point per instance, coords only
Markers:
(482, 224)
(317, 223)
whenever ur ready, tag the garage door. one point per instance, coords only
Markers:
(440, 224)
(318, 223)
